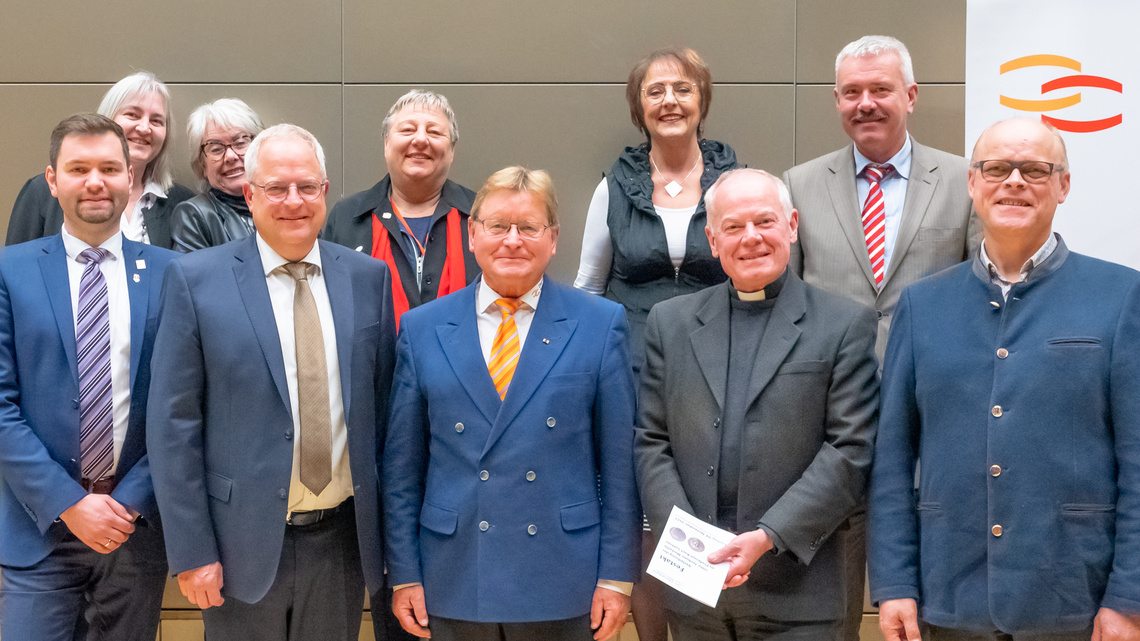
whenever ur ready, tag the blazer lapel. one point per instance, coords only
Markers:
(919, 191)
(710, 342)
(338, 283)
(459, 342)
(250, 276)
(550, 331)
(779, 336)
(53, 266)
(845, 203)
(138, 292)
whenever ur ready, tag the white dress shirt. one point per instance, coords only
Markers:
(281, 287)
(894, 193)
(119, 310)
(134, 227)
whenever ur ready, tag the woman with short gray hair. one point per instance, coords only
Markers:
(219, 134)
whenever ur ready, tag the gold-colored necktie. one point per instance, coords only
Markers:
(312, 384)
(505, 348)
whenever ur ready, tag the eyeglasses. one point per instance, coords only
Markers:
(277, 192)
(682, 91)
(1032, 171)
(216, 149)
(499, 228)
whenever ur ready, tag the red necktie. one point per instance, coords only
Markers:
(875, 220)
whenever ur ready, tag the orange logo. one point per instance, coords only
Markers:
(1065, 82)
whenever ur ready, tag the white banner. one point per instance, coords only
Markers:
(1073, 64)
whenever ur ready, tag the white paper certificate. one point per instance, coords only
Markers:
(681, 557)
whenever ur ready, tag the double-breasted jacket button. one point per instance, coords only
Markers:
(282, 493)
(995, 470)
(530, 475)
(484, 526)
(996, 411)
(996, 530)
(459, 427)
(1002, 352)
(550, 421)
(531, 529)
(484, 475)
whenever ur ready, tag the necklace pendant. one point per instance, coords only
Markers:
(673, 188)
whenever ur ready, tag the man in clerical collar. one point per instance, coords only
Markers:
(510, 504)
(1015, 377)
(757, 413)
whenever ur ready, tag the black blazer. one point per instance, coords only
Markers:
(37, 214)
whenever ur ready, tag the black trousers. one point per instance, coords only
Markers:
(77, 594)
(576, 629)
(735, 619)
(318, 594)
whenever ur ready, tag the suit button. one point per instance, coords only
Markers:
(996, 411)
(995, 470)
(484, 526)
(459, 427)
(1002, 352)
(283, 493)
(531, 529)
(878, 314)
(530, 476)
(550, 422)
(75, 402)
(428, 279)
(484, 475)
(710, 471)
(716, 423)
(289, 435)
(996, 530)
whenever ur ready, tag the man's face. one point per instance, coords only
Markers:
(873, 101)
(92, 181)
(750, 233)
(1014, 206)
(511, 264)
(290, 226)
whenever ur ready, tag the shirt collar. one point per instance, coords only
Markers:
(73, 246)
(271, 260)
(485, 297)
(900, 161)
(152, 191)
(1036, 259)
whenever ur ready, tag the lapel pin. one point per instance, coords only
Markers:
(140, 264)
(386, 214)
(137, 278)
(360, 248)
(546, 340)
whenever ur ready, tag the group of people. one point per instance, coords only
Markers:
(394, 397)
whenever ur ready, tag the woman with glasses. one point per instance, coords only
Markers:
(219, 134)
(140, 103)
(414, 219)
(645, 240)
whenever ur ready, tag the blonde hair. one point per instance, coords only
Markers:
(520, 179)
(137, 84)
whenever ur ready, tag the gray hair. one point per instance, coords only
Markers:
(283, 130)
(224, 113)
(781, 188)
(422, 99)
(142, 83)
(874, 46)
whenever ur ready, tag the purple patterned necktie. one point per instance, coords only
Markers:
(93, 342)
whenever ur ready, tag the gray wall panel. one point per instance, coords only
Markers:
(933, 30)
(201, 41)
(583, 41)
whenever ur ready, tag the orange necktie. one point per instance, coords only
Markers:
(505, 348)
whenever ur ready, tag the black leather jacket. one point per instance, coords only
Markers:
(209, 219)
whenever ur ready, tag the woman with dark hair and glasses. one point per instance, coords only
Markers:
(645, 240)
(219, 134)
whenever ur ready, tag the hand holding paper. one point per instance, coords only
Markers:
(741, 553)
(681, 558)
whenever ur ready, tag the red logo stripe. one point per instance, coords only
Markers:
(1083, 126)
(1099, 82)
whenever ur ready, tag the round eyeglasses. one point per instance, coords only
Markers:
(277, 192)
(216, 149)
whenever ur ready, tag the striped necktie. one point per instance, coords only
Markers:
(93, 345)
(875, 220)
(505, 348)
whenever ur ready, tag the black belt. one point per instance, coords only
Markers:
(312, 517)
(105, 485)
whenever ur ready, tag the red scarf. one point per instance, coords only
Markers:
(453, 277)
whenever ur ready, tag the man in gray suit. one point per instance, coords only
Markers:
(757, 412)
(866, 230)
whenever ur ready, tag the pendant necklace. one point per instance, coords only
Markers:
(673, 187)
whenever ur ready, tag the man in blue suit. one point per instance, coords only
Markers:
(274, 373)
(1015, 378)
(509, 495)
(80, 543)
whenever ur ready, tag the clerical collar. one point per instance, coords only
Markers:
(769, 292)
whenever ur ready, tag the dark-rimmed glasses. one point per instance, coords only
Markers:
(216, 149)
(1032, 171)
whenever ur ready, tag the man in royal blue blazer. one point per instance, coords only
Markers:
(1015, 379)
(274, 373)
(80, 542)
(509, 496)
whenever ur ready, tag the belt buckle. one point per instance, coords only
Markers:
(305, 519)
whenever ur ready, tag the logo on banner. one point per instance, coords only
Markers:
(1077, 81)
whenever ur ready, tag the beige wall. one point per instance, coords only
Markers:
(535, 82)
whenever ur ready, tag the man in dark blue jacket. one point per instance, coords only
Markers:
(1015, 378)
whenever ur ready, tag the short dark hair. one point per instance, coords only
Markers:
(86, 124)
(691, 65)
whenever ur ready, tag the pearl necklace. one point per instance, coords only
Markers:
(673, 187)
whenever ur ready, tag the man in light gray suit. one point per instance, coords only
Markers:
(757, 412)
(878, 214)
